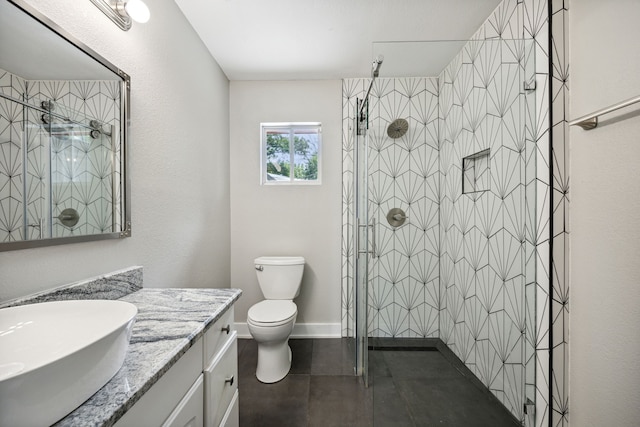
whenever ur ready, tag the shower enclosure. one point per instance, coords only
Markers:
(440, 223)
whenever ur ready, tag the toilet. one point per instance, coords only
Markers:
(271, 321)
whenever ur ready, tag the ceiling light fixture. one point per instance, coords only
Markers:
(122, 12)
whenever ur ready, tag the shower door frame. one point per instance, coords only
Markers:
(361, 241)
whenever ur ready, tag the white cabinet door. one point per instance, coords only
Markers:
(232, 417)
(157, 404)
(190, 411)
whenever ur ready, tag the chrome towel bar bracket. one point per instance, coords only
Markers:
(590, 121)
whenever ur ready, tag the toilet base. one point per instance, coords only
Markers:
(274, 361)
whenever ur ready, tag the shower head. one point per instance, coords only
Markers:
(397, 128)
(375, 70)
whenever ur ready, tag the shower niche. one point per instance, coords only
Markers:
(476, 173)
(63, 130)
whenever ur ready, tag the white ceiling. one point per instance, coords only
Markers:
(331, 39)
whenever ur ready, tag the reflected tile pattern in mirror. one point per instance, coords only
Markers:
(66, 136)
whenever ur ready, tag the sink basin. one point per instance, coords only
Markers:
(55, 355)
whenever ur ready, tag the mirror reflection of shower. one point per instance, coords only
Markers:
(97, 129)
(65, 128)
(81, 169)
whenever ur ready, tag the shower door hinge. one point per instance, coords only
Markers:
(39, 226)
(529, 407)
(529, 86)
(127, 231)
(362, 127)
(361, 118)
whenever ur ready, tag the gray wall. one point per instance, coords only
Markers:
(605, 225)
(179, 159)
(287, 220)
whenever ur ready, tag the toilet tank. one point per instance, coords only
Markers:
(280, 277)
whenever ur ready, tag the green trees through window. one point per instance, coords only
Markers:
(287, 145)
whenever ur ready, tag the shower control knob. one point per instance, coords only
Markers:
(396, 217)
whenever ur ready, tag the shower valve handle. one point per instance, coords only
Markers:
(396, 217)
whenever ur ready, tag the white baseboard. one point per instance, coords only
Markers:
(302, 330)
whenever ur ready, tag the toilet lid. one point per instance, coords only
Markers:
(279, 260)
(272, 311)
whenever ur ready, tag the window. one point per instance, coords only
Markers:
(290, 153)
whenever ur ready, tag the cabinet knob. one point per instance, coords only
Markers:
(226, 329)
(229, 380)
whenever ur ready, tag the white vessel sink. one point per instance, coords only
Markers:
(55, 355)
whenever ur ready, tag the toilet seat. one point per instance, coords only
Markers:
(272, 312)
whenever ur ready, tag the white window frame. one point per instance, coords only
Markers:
(291, 127)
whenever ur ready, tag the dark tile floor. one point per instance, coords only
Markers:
(407, 388)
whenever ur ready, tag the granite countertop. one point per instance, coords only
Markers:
(168, 323)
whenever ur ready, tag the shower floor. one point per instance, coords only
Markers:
(411, 384)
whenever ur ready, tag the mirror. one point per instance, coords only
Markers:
(63, 132)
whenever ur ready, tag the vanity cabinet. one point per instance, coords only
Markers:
(200, 389)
